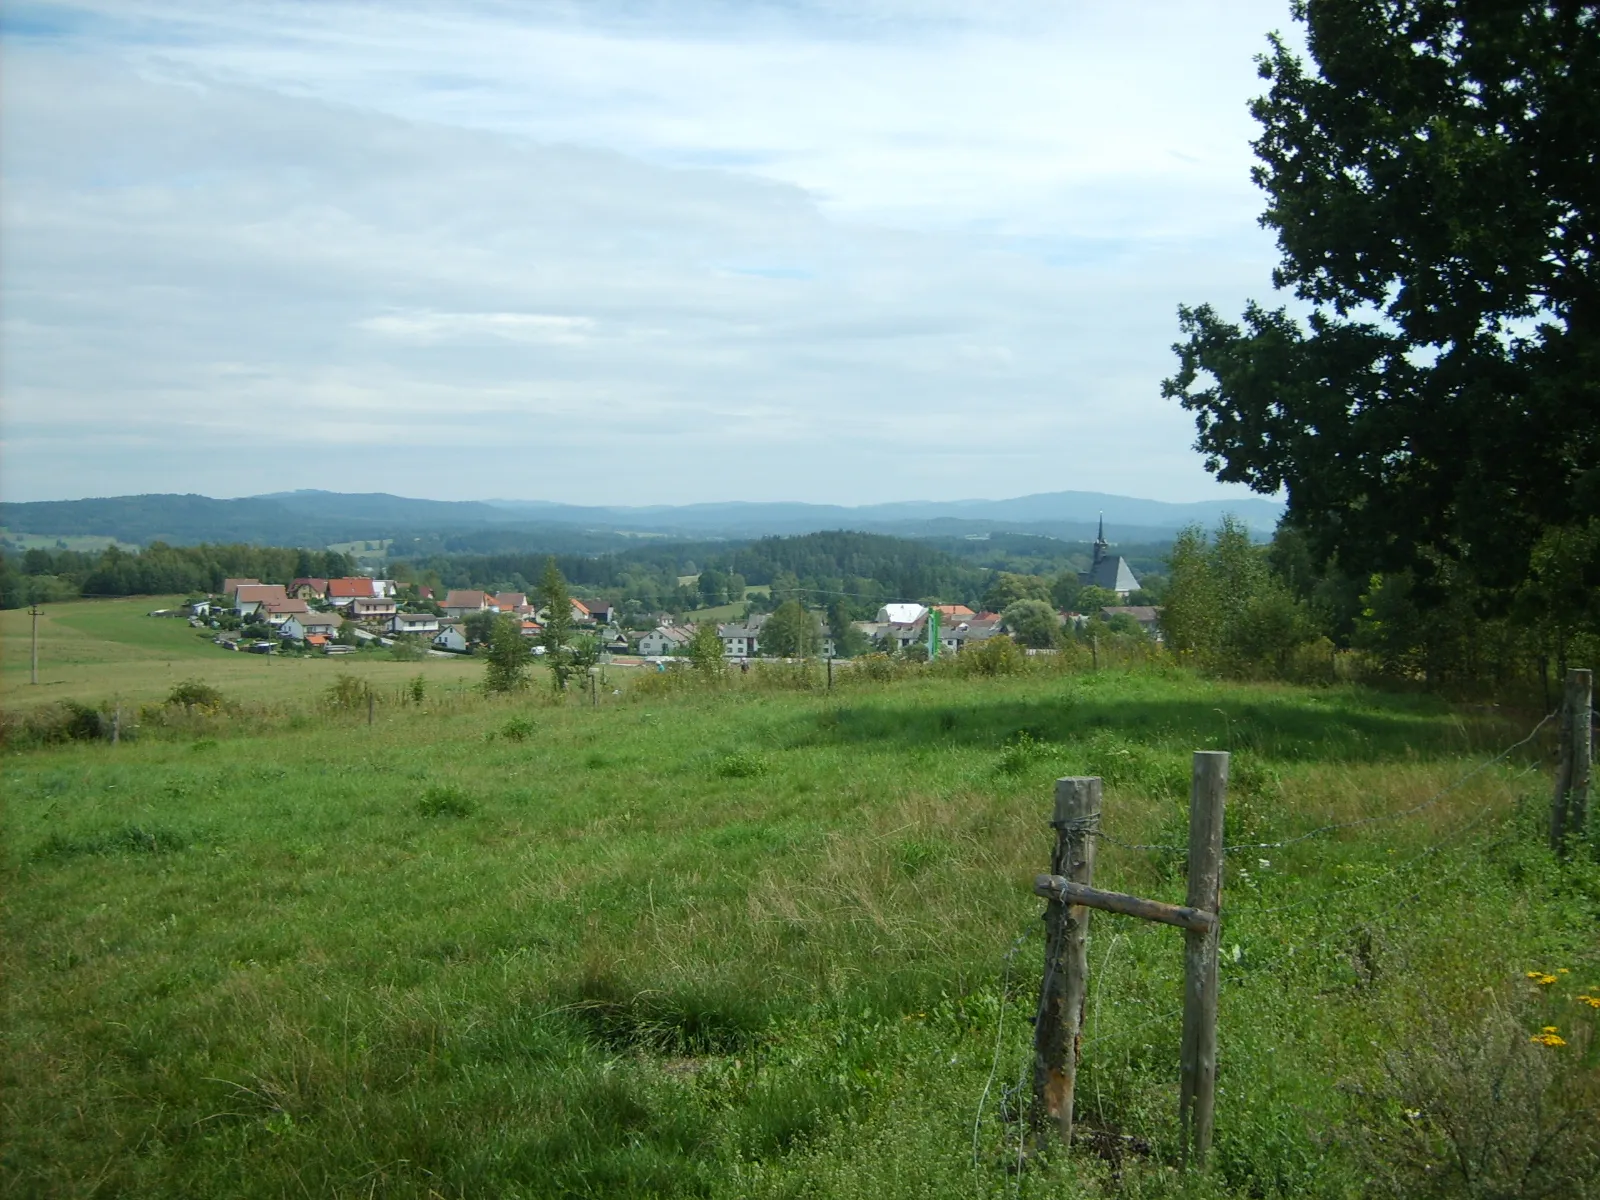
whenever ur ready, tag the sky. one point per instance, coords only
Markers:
(618, 253)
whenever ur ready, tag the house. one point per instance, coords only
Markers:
(413, 623)
(581, 613)
(512, 602)
(342, 591)
(531, 629)
(742, 639)
(319, 623)
(249, 597)
(370, 608)
(278, 611)
(953, 612)
(424, 593)
(1109, 571)
(451, 638)
(958, 635)
(463, 603)
(901, 614)
(385, 588)
(666, 639)
(317, 641)
(309, 589)
(230, 586)
(1147, 616)
(603, 611)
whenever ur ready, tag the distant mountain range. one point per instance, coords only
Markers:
(319, 518)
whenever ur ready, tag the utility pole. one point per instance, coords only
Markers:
(33, 676)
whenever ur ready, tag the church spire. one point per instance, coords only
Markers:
(1100, 546)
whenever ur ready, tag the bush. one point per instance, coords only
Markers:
(998, 655)
(518, 729)
(1488, 1111)
(741, 764)
(196, 693)
(445, 800)
(347, 692)
(52, 724)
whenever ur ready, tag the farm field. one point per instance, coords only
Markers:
(93, 650)
(757, 942)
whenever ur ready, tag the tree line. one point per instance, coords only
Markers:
(40, 575)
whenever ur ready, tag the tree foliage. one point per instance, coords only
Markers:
(555, 635)
(509, 656)
(1226, 610)
(705, 651)
(1032, 623)
(1430, 176)
(791, 632)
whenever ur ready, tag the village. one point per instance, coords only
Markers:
(341, 616)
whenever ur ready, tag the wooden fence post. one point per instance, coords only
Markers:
(1059, 1024)
(1569, 808)
(1198, 1067)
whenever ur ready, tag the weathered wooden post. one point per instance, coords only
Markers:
(1569, 807)
(1198, 1066)
(1059, 1024)
(369, 705)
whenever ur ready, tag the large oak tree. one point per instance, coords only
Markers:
(1432, 176)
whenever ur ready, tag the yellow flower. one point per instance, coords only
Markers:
(1550, 1029)
(1563, 971)
(1591, 1001)
(1539, 977)
(1548, 1039)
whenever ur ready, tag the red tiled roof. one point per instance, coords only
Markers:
(230, 586)
(261, 593)
(316, 639)
(345, 588)
(465, 599)
(296, 607)
(320, 585)
(953, 610)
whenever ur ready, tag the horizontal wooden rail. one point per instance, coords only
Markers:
(1055, 887)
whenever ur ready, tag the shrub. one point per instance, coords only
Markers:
(998, 655)
(196, 693)
(445, 800)
(1487, 1111)
(741, 764)
(518, 729)
(417, 688)
(347, 692)
(51, 724)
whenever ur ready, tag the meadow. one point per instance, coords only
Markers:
(767, 940)
(110, 650)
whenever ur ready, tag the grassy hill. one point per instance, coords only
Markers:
(768, 941)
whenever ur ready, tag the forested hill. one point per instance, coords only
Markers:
(865, 568)
(317, 518)
(869, 564)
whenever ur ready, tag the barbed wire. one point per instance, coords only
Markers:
(1093, 830)
(999, 1035)
(1437, 847)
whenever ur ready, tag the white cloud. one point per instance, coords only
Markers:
(252, 247)
(431, 328)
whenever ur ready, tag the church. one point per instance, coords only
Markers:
(1111, 572)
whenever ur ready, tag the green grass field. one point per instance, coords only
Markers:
(94, 650)
(764, 942)
(83, 543)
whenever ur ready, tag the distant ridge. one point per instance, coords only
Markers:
(320, 517)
